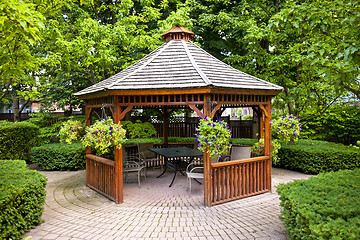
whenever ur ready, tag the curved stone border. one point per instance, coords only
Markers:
(155, 211)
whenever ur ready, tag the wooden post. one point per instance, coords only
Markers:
(261, 124)
(165, 126)
(207, 159)
(267, 141)
(119, 196)
(88, 112)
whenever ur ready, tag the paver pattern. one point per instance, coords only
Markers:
(155, 211)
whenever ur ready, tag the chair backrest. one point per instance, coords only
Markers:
(143, 147)
(240, 152)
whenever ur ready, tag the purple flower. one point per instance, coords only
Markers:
(285, 125)
(206, 140)
(213, 137)
(214, 125)
(110, 133)
(271, 122)
(198, 133)
(230, 130)
(292, 124)
(278, 128)
(110, 128)
(209, 124)
(215, 152)
(199, 145)
(217, 146)
(295, 133)
(83, 138)
(196, 140)
(229, 144)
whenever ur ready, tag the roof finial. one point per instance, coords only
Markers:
(177, 34)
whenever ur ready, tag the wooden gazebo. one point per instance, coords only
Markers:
(179, 74)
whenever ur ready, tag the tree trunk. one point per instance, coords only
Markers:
(16, 105)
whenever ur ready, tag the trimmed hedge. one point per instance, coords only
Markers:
(22, 198)
(311, 156)
(17, 139)
(323, 207)
(57, 156)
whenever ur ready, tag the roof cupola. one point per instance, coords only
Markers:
(177, 34)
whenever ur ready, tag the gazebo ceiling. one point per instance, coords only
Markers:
(179, 64)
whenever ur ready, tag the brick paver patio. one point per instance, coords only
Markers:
(155, 211)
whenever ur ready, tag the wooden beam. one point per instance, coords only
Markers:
(268, 142)
(198, 112)
(145, 92)
(165, 126)
(88, 111)
(207, 160)
(162, 103)
(244, 91)
(119, 195)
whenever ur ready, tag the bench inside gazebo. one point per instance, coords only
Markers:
(179, 74)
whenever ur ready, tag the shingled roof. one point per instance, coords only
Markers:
(179, 63)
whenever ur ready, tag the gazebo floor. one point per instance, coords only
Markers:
(155, 211)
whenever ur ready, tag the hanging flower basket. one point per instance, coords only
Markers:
(213, 137)
(104, 135)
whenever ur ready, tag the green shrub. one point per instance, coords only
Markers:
(22, 197)
(180, 139)
(57, 156)
(16, 139)
(142, 140)
(338, 123)
(49, 131)
(243, 141)
(138, 129)
(311, 156)
(323, 207)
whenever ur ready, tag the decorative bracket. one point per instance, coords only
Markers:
(212, 114)
(264, 110)
(123, 113)
(194, 108)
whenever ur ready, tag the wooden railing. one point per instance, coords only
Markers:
(240, 178)
(100, 175)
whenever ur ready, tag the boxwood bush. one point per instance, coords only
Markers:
(323, 207)
(57, 156)
(312, 156)
(22, 197)
(17, 139)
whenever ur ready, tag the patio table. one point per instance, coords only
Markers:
(177, 154)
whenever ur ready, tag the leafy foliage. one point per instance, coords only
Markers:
(213, 137)
(57, 156)
(323, 207)
(104, 135)
(311, 156)
(22, 198)
(139, 129)
(339, 123)
(17, 139)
